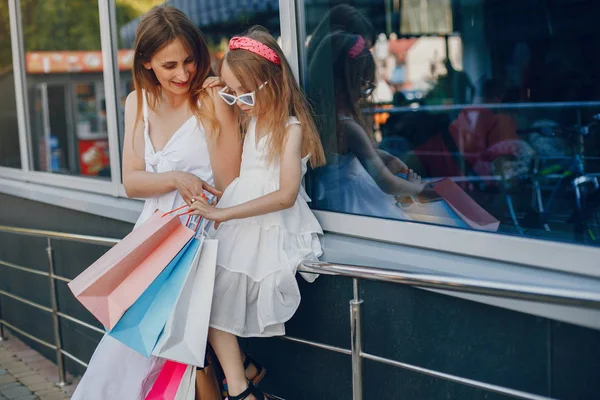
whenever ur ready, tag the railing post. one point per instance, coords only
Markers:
(356, 342)
(60, 360)
(2, 337)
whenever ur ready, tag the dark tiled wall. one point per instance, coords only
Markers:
(414, 326)
(429, 330)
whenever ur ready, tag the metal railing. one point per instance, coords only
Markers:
(579, 298)
(565, 297)
(52, 278)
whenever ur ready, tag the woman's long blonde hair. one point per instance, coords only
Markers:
(280, 99)
(158, 28)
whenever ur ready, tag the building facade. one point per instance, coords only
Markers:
(496, 103)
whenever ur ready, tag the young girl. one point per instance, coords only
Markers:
(359, 178)
(263, 224)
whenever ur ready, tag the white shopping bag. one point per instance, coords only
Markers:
(118, 372)
(187, 387)
(185, 335)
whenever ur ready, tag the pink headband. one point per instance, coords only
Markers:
(254, 46)
(357, 48)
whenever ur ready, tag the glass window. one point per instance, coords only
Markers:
(218, 22)
(67, 110)
(494, 104)
(9, 130)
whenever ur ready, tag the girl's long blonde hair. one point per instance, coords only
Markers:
(158, 28)
(335, 83)
(280, 99)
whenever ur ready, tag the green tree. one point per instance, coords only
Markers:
(55, 25)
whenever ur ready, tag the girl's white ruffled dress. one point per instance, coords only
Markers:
(256, 290)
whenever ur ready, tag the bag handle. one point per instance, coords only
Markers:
(202, 222)
(200, 225)
(177, 209)
(181, 208)
(187, 223)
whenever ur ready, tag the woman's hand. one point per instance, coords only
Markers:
(201, 207)
(189, 185)
(212, 81)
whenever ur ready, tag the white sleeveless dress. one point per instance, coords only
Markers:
(255, 286)
(344, 185)
(116, 371)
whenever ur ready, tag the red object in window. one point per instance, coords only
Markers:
(466, 208)
(93, 156)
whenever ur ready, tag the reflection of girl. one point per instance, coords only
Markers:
(345, 18)
(359, 178)
(179, 141)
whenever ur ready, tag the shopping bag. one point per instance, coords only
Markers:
(207, 383)
(142, 323)
(465, 207)
(117, 279)
(185, 335)
(167, 384)
(187, 387)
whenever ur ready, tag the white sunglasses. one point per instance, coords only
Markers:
(248, 99)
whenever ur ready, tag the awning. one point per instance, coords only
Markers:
(207, 12)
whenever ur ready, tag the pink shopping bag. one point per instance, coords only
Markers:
(116, 280)
(168, 381)
(467, 209)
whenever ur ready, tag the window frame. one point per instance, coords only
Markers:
(110, 75)
(18, 59)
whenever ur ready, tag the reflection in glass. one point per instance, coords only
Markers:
(9, 130)
(359, 178)
(497, 112)
(63, 62)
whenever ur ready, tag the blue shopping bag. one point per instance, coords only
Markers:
(142, 323)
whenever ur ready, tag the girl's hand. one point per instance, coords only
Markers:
(189, 185)
(413, 177)
(212, 81)
(200, 206)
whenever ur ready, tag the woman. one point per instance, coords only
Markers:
(179, 142)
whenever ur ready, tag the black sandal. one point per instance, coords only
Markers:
(250, 390)
(260, 370)
(260, 373)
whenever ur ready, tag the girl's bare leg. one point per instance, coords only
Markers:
(230, 357)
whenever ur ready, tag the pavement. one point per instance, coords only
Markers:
(27, 375)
